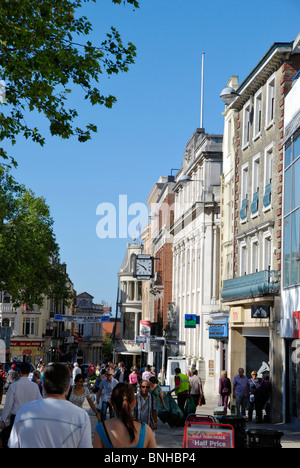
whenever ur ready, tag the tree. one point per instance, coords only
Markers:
(28, 249)
(44, 50)
(107, 347)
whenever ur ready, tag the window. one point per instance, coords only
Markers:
(246, 124)
(257, 114)
(267, 199)
(255, 184)
(244, 259)
(244, 193)
(254, 256)
(267, 252)
(291, 222)
(30, 326)
(270, 100)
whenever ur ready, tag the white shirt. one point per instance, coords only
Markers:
(51, 423)
(20, 392)
(75, 372)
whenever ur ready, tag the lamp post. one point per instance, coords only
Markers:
(228, 95)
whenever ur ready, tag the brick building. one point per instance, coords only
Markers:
(253, 293)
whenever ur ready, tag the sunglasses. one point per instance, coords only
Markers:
(145, 386)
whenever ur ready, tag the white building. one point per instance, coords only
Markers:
(196, 256)
(129, 307)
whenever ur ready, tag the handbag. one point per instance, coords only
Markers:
(201, 401)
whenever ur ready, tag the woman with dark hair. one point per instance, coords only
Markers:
(123, 431)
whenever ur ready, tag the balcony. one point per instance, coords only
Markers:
(262, 283)
(7, 308)
(127, 347)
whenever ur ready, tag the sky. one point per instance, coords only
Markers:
(144, 135)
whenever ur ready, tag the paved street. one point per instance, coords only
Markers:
(172, 437)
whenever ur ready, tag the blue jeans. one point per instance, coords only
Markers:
(105, 405)
(241, 403)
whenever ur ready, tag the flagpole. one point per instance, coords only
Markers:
(202, 87)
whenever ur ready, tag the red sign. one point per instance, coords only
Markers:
(296, 324)
(208, 435)
(21, 344)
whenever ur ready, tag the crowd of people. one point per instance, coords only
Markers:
(246, 393)
(44, 409)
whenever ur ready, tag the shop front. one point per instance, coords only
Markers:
(26, 351)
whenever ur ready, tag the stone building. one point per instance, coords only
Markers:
(196, 255)
(253, 294)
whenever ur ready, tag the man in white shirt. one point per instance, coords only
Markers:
(52, 422)
(20, 392)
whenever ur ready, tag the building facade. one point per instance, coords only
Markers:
(290, 286)
(253, 294)
(129, 308)
(196, 255)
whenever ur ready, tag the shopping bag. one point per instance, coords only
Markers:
(175, 416)
(190, 406)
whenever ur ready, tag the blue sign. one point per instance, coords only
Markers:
(141, 339)
(218, 330)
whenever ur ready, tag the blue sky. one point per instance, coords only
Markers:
(158, 109)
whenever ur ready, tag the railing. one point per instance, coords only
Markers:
(7, 308)
(257, 284)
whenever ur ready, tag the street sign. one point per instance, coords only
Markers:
(141, 339)
(81, 318)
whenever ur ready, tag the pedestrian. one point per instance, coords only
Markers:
(139, 374)
(19, 393)
(123, 431)
(241, 392)
(96, 387)
(122, 374)
(182, 388)
(37, 379)
(91, 370)
(2, 381)
(76, 370)
(106, 386)
(262, 396)
(12, 375)
(78, 393)
(156, 391)
(52, 422)
(145, 407)
(147, 373)
(196, 389)
(133, 379)
(224, 389)
(254, 384)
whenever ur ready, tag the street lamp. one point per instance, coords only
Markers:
(185, 179)
(228, 95)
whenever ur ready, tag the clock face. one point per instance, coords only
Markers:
(143, 267)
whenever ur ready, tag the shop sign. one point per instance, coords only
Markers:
(21, 344)
(218, 330)
(145, 328)
(201, 435)
(296, 324)
(190, 321)
(260, 311)
(237, 315)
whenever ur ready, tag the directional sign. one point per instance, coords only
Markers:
(81, 318)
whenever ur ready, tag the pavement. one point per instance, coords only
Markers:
(172, 437)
